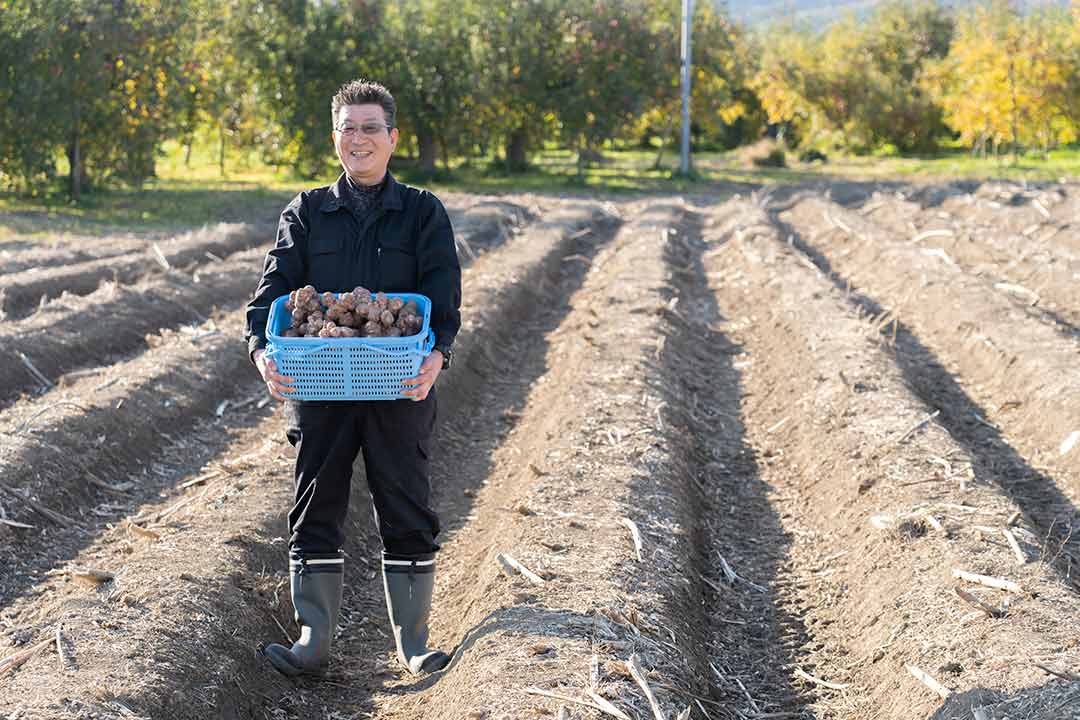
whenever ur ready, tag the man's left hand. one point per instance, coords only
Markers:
(418, 387)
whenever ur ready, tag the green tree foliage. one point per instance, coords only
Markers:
(93, 87)
(99, 86)
(858, 83)
(607, 72)
(724, 107)
(518, 48)
(432, 71)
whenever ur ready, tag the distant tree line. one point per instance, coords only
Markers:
(913, 74)
(103, 83)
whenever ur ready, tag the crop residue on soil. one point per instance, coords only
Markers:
(803, 453)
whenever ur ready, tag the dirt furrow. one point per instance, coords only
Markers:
(79, 449)
(585, 453)
(752, 626)
(881, 504)
(73, 332)
(661, 421)
(1005, 206)
(66, 250)
(482, 226)
(24, 292)
(220, 554)
(1018, 375)
(113, 321)
(1026, 265)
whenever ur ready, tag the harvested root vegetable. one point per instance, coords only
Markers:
(354, 314)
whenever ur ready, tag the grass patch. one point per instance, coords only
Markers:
(190, 194)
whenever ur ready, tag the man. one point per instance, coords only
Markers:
(366, 229)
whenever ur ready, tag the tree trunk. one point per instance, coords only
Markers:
(187, 153)
(663, 144)
(426, 138)
(221, 147)
(517, 151)
(1015, 114)
(75, 158)
(445, 153)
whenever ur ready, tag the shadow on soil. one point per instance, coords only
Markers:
(475, 410)
(1056, 700)
(30, 559)
(522, 621)
(725, 500)
(994, 461)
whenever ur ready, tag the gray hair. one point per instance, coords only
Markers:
(364, 92)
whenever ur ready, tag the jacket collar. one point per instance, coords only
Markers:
(389, 198)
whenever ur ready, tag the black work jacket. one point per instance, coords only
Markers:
(404, 243)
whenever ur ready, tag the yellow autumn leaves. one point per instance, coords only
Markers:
(911, 75)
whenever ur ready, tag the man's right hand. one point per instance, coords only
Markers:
(277, 384)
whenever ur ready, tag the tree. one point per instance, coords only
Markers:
(722, 66)
(1010, 79)
(431, 73)
(98, 86)
(517, 49)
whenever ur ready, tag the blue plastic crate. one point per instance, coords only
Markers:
(361, 368)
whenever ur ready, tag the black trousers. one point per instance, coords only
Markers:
(395, 437)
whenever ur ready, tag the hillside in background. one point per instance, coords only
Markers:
(822, 12)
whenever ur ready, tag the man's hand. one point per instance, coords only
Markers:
(421, 385)
(278, 385)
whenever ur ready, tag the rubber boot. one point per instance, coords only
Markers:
(409, 583)
(315, 582)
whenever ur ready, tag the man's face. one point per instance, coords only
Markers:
(363, 142)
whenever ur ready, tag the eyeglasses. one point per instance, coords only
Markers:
(371, 128)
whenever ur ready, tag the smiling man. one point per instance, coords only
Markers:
(365, 229)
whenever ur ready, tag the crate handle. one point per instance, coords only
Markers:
(274, 351)
(425, 351)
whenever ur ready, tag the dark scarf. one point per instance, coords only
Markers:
(362, 197)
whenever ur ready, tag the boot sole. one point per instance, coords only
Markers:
(435, 662)
(281, 658)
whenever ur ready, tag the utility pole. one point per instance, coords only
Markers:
(687, 24)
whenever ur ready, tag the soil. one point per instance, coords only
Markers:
(750, 445)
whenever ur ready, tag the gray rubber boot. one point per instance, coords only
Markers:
(316, 583)
(409, 583)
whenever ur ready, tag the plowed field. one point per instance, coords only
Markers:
(807, 453)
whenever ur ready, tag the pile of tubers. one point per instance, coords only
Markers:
(354, 314)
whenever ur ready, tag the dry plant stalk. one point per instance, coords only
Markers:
(799, 672)
(56, 517)
(60, 646)
(144, 532)
(512, 566)
(11, 662)
(635, 535)
(1021, 558)
(638, 674)
(202, 478)
(609, 709)
(1063, 674)
(926, 234)
(986, 580)
(975, 602)
(91, 576)
(925, 678)
(604, 704)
